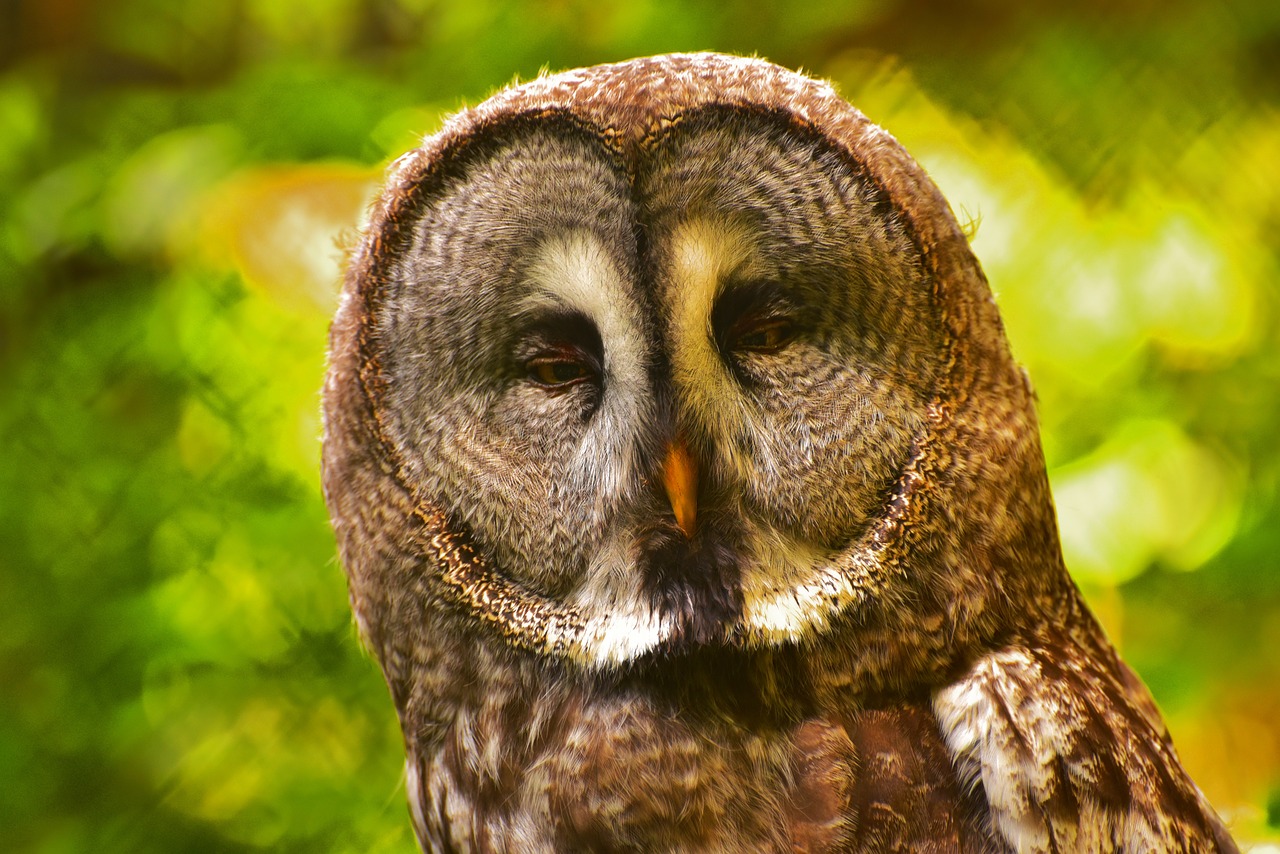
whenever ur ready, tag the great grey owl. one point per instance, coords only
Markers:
(691, 499)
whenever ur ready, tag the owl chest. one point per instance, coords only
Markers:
(622, 775)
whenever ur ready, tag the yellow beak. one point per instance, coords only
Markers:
(680, 479)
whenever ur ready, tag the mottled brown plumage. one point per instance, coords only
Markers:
(863, 640)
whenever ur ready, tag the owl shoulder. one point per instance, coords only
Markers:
(1069, 750)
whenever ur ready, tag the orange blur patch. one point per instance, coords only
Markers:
(282, 227)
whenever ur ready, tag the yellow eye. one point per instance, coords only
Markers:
(553, 371)
(768, 335)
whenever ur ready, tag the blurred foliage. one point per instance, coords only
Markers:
(178, 665)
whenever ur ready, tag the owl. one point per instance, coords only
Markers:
(691, 500)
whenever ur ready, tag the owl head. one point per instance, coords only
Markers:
(679, 352)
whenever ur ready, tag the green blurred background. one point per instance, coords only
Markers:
(178, 668)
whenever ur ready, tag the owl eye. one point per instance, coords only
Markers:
(761, 334)
(557, 372)
(560, 368)
(560, 351)
(755, 318)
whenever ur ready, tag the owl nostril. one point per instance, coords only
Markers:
(680, 479)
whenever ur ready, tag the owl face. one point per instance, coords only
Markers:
(665, 390)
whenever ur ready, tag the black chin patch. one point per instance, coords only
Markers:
(694, 583)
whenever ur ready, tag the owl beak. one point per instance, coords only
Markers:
(680, 478)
